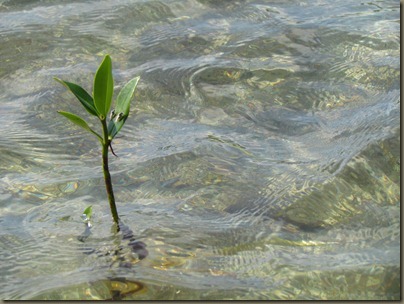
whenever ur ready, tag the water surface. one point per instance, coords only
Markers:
(260, 159)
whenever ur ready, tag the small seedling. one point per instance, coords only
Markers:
(86, 216)
(99, 105)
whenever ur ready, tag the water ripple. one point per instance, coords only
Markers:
(270, 129)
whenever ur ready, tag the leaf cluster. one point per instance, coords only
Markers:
(99, 104)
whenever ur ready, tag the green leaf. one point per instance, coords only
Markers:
(122, 106)
(103, 87)
(125, 96)
(88, 212)
(80, 122)
(81, 94)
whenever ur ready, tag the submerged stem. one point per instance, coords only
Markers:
(107, 175)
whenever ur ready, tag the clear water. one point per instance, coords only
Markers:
(260, 160)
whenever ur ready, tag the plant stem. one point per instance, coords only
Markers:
(107, 175)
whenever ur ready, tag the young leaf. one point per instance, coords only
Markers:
(122, 106)
(80, 122)
(125, 96)
(88, 212)
(81, 94)
(103, 87)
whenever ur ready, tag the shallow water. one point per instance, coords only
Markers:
(260, 159)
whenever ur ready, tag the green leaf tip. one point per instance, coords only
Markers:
(103, 87)
(79, 121)
(81, 94)
(88, 212)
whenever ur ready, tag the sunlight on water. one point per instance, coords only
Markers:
(260, 161)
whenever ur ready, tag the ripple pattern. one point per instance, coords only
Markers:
(260, 160)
